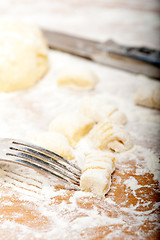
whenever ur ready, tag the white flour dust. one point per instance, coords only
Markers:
(27, 113)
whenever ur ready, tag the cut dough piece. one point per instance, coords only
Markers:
(77, 76)
(72, 125)
(23, 56)
(99, 109)
(54, 142)
(148, 95)
(109, 136)
(96, 175)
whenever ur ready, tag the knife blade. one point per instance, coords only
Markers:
(138, 60)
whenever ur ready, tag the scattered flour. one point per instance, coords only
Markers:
(150, 161)
(32, 114)
(27, 113)
(132, 183)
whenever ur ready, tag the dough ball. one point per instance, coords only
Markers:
(77, 76)
(98, 109)
(148, 95)
(109, 136)
(72, 125)
(23, 56)
(54, 142)
(96, 175)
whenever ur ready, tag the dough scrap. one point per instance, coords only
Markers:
(99, 109)
(54, 142)
(148, 96)
(23, 55)
(96, 175)
(109, 136)
(77, 76)
(74, 126)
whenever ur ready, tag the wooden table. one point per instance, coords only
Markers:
(31, 205)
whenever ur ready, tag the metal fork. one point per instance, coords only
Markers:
(21, 152)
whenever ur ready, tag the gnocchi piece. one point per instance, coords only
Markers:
(99, 109)
(78, 77)
(72, 125)
(148, 96)
(54, 142)
(109, 136)
(96, 175)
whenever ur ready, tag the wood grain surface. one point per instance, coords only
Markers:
(131, 208)
(25, 212)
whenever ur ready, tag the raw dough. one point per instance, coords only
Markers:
(149, 95)
(109, 136)
(72, 125)
(54, 142)
(23, 56)
(99, 109)
(96, 175)
(77, 76)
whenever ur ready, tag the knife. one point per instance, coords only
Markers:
(139, 60)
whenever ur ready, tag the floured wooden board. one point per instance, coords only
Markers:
(128, 212)
(32, 206)
(35, 211)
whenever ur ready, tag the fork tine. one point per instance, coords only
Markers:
(50, 161)
(32, 161)
(48, 153)
(32, 165)
(40, 158)
(42, 154)
(45, 165)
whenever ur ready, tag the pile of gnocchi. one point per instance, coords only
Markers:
(101, 123)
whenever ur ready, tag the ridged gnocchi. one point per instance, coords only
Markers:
(96, 175)
(74, 126)
(99, 109)
(77, 76)
(109, 136)
(55, 142)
